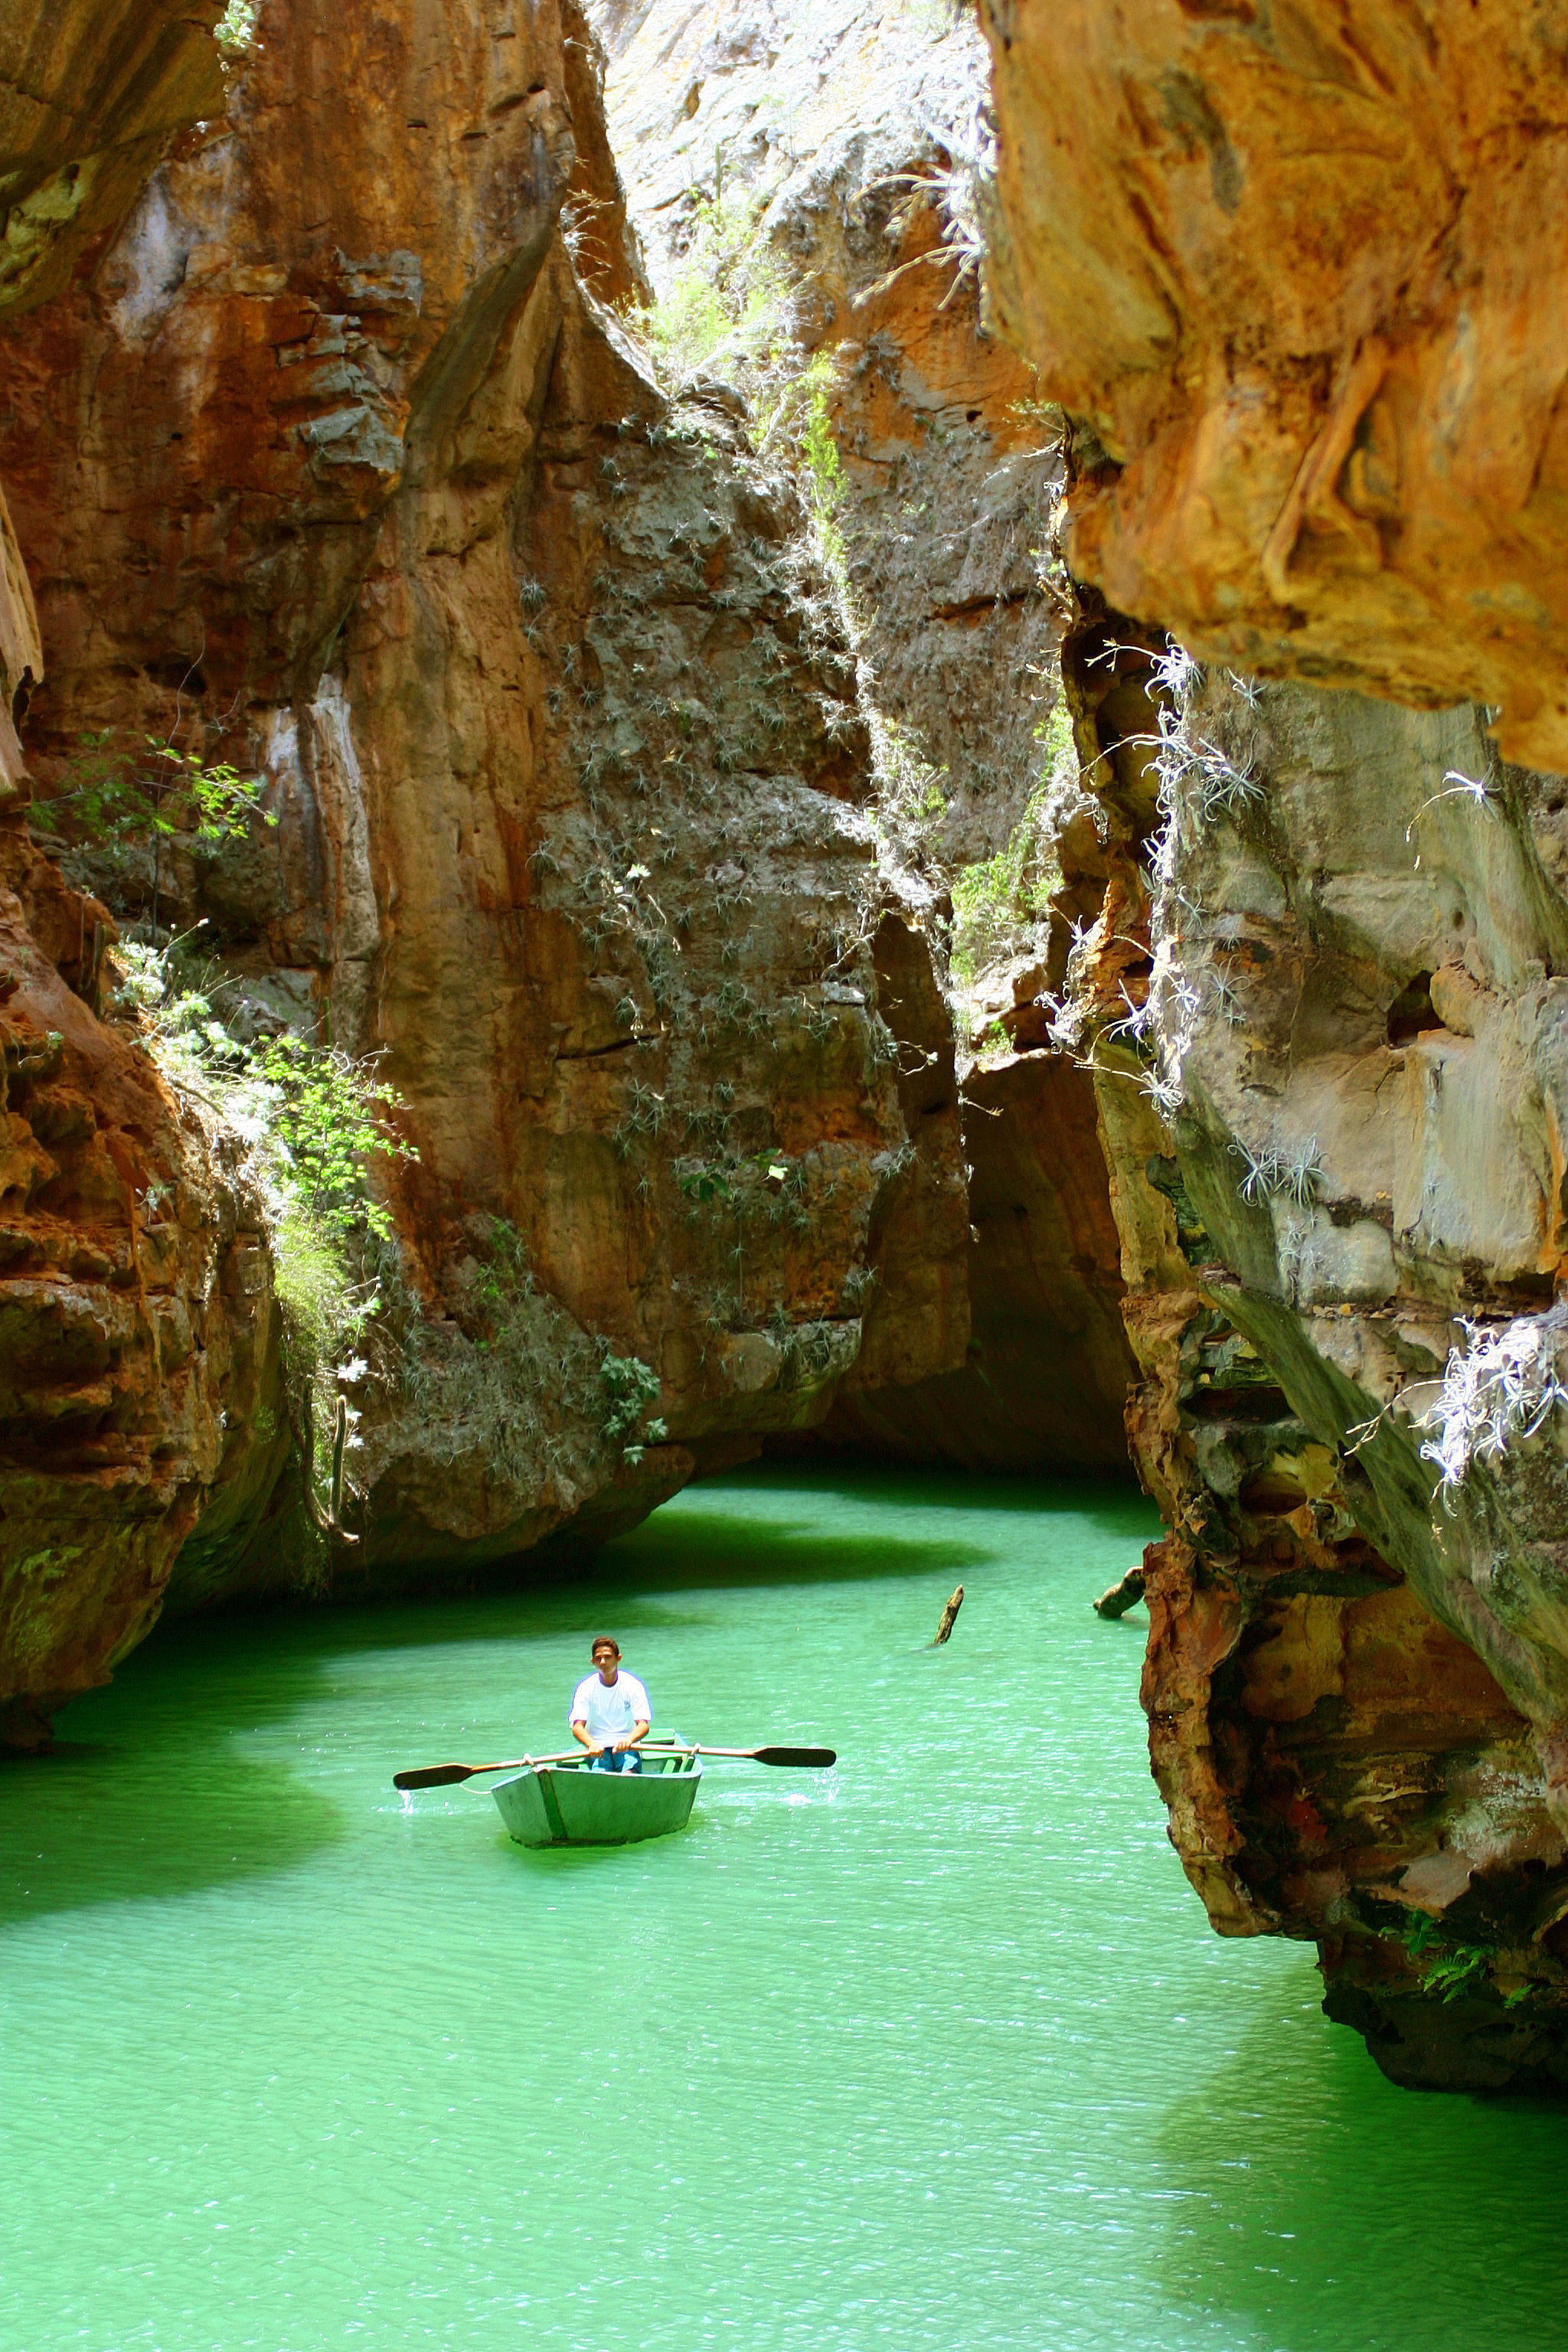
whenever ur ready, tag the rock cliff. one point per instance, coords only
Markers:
(1269, 267)
(327, 459)
(849, 143)
(138, 1337)
(1294, 274)
(1339, 1214)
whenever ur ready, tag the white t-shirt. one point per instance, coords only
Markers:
(608, 1710)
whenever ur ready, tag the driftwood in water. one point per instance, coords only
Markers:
(338, 1435)
(949, 1616)
(1122, 1596)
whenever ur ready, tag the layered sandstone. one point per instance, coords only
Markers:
(333, 462)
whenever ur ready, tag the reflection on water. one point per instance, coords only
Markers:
(931, 2051)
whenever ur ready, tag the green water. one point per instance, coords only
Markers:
(935, 2051)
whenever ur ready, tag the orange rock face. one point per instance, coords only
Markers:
(292, 322)
(139, 1376)
(89, 96)
(332, 459)
(1298, 273)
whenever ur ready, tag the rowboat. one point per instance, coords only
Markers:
(561, 1802)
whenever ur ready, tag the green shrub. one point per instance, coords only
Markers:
(997, 903)
(313, 1120)
(236, 28)
(112, 800)
(727, 302)
(630, 1387)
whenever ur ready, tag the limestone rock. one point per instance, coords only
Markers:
(1355, 1682)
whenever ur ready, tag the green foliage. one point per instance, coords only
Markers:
(507, 1275)
(704, 1184)
(314, 1122)
(996, 901)
(114, 800)
(329, 1121)
(630, 1387)
(728, 303)
(819, 447)
(1453, 1970)
(236, 28)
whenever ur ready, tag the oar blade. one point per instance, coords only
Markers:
(432, 1776)
(814, 1759)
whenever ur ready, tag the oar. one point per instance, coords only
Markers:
(441, 1776)
(814, 1759)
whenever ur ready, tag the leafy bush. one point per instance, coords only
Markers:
(728, 305)
(236, 28)
(312, 1120)
(997, 903)
(112, 800)
(630, 1386)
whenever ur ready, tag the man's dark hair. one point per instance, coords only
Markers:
(603, 1642)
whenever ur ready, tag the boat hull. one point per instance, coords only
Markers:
(568, 1805)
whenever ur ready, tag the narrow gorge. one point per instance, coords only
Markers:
(811, 734)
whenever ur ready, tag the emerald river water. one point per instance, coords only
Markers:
(935, 2050)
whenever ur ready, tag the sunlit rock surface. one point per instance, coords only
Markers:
(1354, 1680)
(1295, 272)
(335, 460)
(857, 135)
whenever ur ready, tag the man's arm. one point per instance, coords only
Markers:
(580, 1733)
(639, 1731)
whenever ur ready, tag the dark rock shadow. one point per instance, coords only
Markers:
(1314, 2206)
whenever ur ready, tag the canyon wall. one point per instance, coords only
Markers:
(640, 733)
(327, 457)
(1329, 1123)
(848, 142)
(1294, 274)
(140, 1386)
(1288, 277)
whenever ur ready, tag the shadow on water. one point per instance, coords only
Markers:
(708, 1535)
(723, 1549)
(1106, 1506)
(1308, 2199)
(693, 1543)
(156, 1801)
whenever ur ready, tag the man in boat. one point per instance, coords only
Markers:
(610, 1712)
